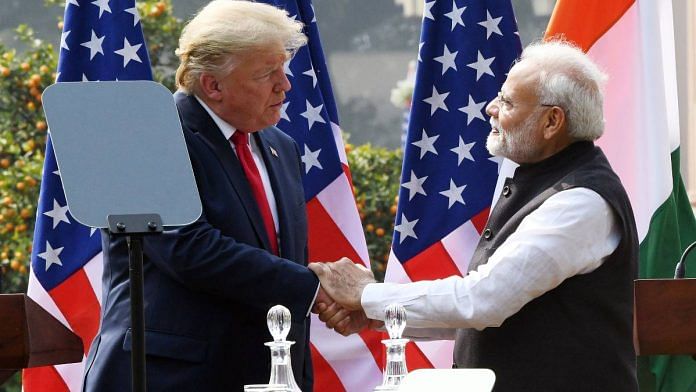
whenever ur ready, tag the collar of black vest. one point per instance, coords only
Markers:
(568, 156)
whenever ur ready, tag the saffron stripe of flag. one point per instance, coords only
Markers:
(633, 41)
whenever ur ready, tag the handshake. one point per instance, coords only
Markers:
(338, 302)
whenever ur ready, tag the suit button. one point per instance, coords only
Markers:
(487, 234)
(506, 191)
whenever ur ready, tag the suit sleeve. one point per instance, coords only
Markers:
(201, 258)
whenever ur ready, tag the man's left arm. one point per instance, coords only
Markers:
(569, 234)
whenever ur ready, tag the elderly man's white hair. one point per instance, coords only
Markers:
(225, 29)
(569, 79)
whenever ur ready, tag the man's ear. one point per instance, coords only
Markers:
(209, 87)
(554, 123)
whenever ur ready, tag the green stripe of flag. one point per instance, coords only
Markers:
(672, 229)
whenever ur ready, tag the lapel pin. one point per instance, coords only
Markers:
(274, 152)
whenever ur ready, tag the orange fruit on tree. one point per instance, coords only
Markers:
(5, 163)
(15, 264)
(29, 145)
(44, 69)
(25, 213)
(20, 186)
(370, 228)
(31, 106)
(7, 200)
(25, 66)
(392, 209)
(41, 126)
(4, 71)
(379, 232)
(23, 269)
(21, 228)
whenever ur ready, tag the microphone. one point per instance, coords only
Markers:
(680, 270)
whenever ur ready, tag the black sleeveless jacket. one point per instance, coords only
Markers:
(578, 336)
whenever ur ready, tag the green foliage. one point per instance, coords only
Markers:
(161, 30)
(23, 76)
(375, 173)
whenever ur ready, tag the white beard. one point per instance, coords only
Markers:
(518, 144)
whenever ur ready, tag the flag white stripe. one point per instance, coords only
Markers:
(635, 143)
(36, 292)
(460, 245)
(93, 270)
(71, 373)
(337, 200)
(669, 66)
(336, 129)
(354, 375)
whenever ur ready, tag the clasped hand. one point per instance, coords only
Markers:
(338, 302)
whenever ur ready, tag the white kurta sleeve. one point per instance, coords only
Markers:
(571, 233)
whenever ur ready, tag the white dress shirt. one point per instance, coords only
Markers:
(571, 233)
(227, 131)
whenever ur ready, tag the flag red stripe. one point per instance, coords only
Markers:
(325, 379)
(322, 227)
(479, 221)
(571, 19)
(44, 378)
(76, 300)
(373, 341)
(346, 170)
(432, 263)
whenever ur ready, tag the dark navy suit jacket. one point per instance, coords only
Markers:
(209, 285)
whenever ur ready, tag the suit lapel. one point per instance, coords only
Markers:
(198, 120)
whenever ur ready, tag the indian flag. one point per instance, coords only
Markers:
(633, 42)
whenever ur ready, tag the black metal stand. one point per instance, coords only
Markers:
(135, 227)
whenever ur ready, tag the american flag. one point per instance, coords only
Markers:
(448, 177)
(310, 117)
(101, 40)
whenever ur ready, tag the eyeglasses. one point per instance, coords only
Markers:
(508, 105)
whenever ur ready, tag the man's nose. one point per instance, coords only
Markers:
(283, 83)
(492, 108)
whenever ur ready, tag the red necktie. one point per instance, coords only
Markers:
(241, 144)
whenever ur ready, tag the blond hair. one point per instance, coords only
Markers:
(225, 29)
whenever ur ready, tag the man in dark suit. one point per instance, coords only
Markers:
(209, 285)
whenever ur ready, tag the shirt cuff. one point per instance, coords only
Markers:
(370, 302)
(311, 304)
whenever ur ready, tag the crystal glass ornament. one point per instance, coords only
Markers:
(278, 321)
(395, 369)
